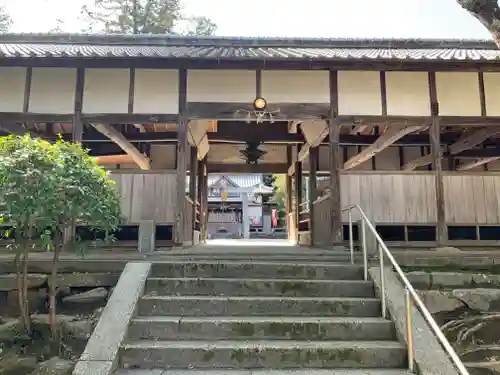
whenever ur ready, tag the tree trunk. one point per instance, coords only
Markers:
(487, 12)
(58, 241)
(20, 291)
(22, 284)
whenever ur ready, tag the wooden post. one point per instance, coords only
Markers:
(334, 146)
(76, 136)
(204, 194)
(182, 145)
(193, 185)
(288, 201)
(298, 193)
(435, 140)
(313, 167)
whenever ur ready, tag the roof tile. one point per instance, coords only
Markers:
(169, 47)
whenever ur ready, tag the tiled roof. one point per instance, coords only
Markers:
(240, 180)
(212, 48)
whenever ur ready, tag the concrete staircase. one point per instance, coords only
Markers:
(262, 317)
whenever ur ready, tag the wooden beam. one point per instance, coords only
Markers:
(267, 168)
(418, 162)
(314, 133)
(466, 142)
(118, 118)
(473, 139)
(476, 163)
(117, 137)
(435, 134)
(18, 129)
(114, 159)
(245, 111)
(359, 128)
(390, 136)
(336, 228)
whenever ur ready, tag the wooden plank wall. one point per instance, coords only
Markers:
(410, 198)
(147, 195)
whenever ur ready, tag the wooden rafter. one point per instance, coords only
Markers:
(314, 133)
(359, 128)
(114, 159)
(117, 137)
(466, 142)
(384, 141)
(476, 163)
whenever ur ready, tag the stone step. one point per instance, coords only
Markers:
(258, 306)
(316, 271)
(260, 328)
(273, 258)
(259, 287)
(266, 372)
(262, 354)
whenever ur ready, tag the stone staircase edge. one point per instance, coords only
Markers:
(430, 356)
(101, 352)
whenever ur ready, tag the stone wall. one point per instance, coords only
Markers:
(466, 305)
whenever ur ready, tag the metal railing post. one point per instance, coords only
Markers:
(409, 330)
(411, 296)
(382, 279)
(365, 250)
(351, 240)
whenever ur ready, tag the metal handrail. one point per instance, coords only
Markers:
(410, 293)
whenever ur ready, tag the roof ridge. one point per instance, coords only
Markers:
(245, 42)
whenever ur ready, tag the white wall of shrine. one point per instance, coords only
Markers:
(52, 90)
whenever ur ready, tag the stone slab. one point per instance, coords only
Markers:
(94, 368)
(85, 279)
(259, 287)
(260, 328)
(256, 269)
(430, 356)
(9, 282)
(112, 326)
(258, 306)
(279, 354)
(266, 372)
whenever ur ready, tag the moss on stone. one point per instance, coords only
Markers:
(208, 355)
(238, 355)
(243, 329)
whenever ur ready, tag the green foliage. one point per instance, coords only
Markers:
(144, 17)
(5, 21)
(46, 186)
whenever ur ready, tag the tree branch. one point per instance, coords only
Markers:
(487, 12)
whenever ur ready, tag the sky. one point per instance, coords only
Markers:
(287, 18)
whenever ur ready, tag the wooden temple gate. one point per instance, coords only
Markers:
(406, 129)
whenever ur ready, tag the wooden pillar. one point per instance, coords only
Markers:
(313, 168)
(199, 193)
(204, 193)
(288, 200)
(193, 183)
(77, 134)
(298, 193)
(182, 146)
(335, 161)
(437, 166)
